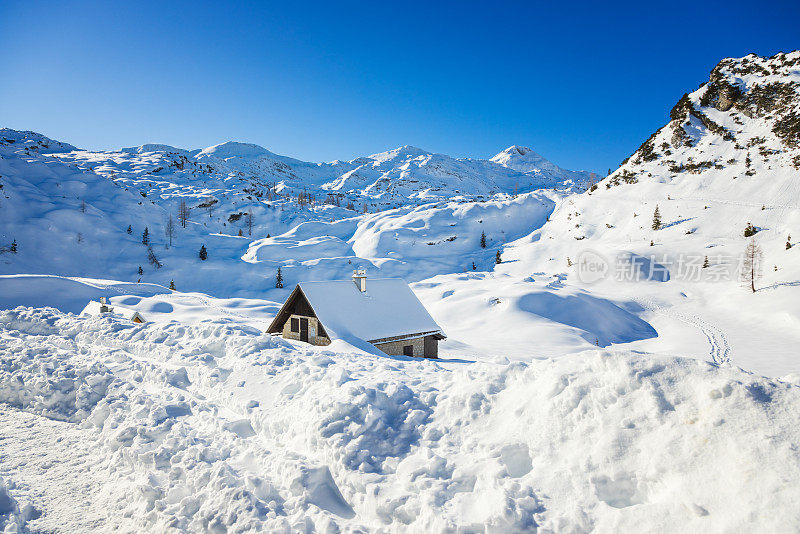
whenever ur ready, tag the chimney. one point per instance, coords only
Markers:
(360, 279)
(104, 305)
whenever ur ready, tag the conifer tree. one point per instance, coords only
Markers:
(130, 230)
(474, 267)
(788, 242)
(172, 285)
(750, 230)
(146, 236)
(705, 263)
(240, 232)
(14, 246)
(140, 271)
(203, 253)
(497, 258)
(656, 219)
(279, 279)
(569, 262)
(483, 239)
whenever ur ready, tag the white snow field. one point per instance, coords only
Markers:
(214, 427)
(606, 376)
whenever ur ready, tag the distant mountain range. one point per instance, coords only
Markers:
(401, 175)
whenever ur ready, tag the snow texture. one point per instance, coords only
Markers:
(217, 427)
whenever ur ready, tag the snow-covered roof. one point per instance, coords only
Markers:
(93, 308)
(388, 308)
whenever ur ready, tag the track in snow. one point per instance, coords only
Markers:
(720, 350)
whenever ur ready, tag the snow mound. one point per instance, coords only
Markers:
(214, 427)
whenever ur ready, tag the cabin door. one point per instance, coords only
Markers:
(304, 329)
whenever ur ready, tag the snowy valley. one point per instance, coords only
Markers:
(607, 365)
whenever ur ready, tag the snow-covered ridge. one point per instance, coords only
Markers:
(32, 142)
(385, 178)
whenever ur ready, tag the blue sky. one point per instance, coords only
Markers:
(582, 83)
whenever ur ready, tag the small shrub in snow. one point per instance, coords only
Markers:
(788, 242)
(172, 285)
(203, 253)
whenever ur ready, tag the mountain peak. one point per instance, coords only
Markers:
(404, 151)
(517, 156)
(232, 149)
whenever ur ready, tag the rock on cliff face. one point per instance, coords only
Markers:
(749, 110)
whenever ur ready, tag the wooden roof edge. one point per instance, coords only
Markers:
(276, 325)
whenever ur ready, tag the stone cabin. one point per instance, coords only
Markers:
(383, 312)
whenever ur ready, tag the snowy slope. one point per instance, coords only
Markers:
(716, 166)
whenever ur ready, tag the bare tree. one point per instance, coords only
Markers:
(183, 213)
(751, 264)
(210, 204)
(169, 229)
(248, 220)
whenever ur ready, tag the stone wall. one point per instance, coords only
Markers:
(313, 323)
(395, 348)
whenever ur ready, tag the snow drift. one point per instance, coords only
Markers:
(217, 427)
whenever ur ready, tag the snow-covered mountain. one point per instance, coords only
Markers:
(598, 378)
(727, 158)
(525, 160)
(383, 180)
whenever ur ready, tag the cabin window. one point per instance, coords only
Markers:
(408, 350)
(295, 324)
